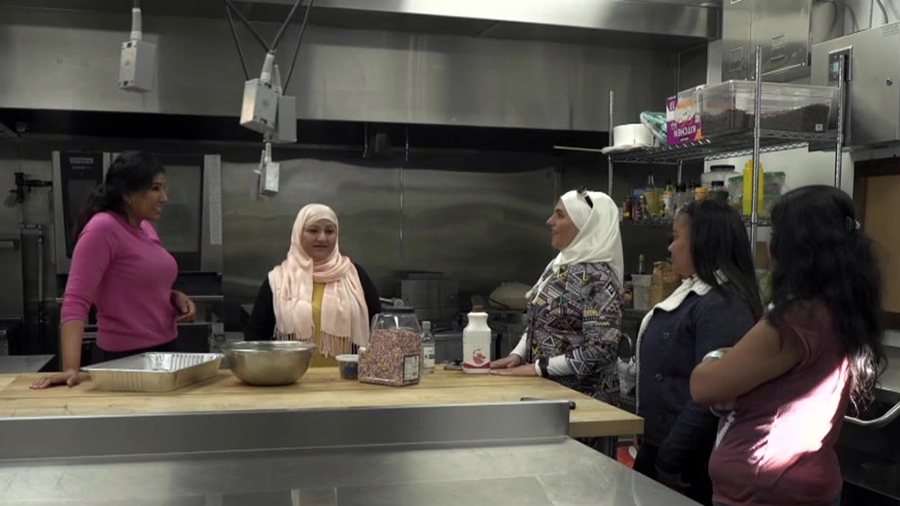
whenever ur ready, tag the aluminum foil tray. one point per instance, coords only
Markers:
(155, 372)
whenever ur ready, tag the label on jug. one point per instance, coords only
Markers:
(476, 357)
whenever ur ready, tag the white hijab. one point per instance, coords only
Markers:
(598, 238)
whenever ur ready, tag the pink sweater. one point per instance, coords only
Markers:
(777, 446)
(125, 272)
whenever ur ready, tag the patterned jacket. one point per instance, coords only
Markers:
(578, 315)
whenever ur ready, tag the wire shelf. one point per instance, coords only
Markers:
(762, 221)
(719, 148)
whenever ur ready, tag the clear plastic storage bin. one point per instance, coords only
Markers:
(773, 188)
(727, 108)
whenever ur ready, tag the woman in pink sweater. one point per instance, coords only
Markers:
(120, 267)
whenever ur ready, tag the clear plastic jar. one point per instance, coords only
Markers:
(394, 352)
(718, 173)
(396, 318)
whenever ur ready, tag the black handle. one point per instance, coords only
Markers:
(572, 404)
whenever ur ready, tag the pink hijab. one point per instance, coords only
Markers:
(344, 318)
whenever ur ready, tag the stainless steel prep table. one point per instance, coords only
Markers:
(512, 453)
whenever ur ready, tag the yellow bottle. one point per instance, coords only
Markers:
(748, 188)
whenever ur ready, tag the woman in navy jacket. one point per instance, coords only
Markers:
(716, 304)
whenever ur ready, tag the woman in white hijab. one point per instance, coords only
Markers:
(316, 294)
(575, 308)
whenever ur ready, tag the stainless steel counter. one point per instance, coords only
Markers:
(538, 472)
(513, 453)
(18, 364)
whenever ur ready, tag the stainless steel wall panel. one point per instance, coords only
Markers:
(481, 227)
(782, 29)
(364, 194)
(737, 51)
(68, 60)
(211, 233)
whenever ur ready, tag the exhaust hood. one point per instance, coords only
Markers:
(671, 24)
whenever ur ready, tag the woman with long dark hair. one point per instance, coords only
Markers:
(120, 267)
(717, 302)
(794, 374)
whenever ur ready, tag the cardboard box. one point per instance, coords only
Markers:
(683, 117)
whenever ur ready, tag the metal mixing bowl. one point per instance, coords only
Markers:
(269, 363)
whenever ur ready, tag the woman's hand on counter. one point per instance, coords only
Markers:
(522, 370)
(509, 362)
(185, 306)
(68, 377)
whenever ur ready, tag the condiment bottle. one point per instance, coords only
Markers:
(680, 197)
(628, 292)
(652, 195)
(628, 209)
(748, 188)
(477, 343)
(700, 192)
(668, 207)
(689, 193)
(643, 210)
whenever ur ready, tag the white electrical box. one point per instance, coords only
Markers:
(260, 106)
(286, 129)
(269, 178)
(136, 66)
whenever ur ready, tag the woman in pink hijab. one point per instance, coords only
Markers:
(316, 294)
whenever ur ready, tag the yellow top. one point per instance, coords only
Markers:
(319, 360)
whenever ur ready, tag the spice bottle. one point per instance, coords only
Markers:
(628, 209)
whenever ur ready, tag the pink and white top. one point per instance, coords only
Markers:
(777, 446)
(124, 271)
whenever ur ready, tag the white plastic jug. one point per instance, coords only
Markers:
(477, 343)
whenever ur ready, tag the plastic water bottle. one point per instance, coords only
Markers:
(428, 345)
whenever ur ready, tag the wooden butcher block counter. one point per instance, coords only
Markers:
(319, 388)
